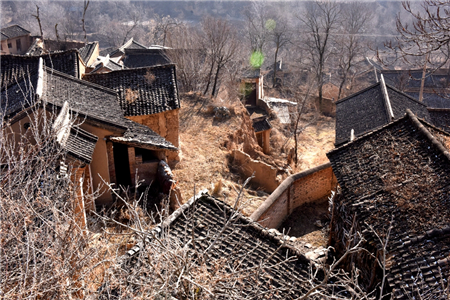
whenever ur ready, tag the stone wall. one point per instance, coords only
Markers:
(265, 174)
(166, 124)
(305, 187)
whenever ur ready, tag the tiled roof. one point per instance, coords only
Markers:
(367, 110)
(434, 100)
(261, 124)
(109, 64)
(421, 266)
(142, 91)
(131, 44)
(95, 102)
(13, 67)
(107, 51)
(244, 242)
(13, 31)
(400, 170)
(440, 118)
(136, 58)
(80, 144)
(406, 79)
(87, 51)
(141, 136)
(18, 96)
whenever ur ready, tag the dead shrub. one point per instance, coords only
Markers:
(131, 96)
(149, 77)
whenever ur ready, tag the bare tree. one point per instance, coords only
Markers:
(319, 21)
(85, 7)
(280, 33)
(257, 32)
(220, 42)
(350, 43)
(163, 28)
(428, 34)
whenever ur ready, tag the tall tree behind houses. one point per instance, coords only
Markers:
(318, 22)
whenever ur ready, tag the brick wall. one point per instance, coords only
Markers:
(305, 187)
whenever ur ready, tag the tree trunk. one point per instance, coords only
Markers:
(275, 67)
(219, 66)
(209, 78)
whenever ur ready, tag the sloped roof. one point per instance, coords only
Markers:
(87, 51)
(368, 109)
(421, 266)
(80, 144)
(107, 51)
(109, 64)
(408, 79)
(204, 219)
(433, 100)
(96, 103)
(13, 32)
(261, 124)
(141, 136)
(13, 67)
(440, 118)
(136, 58)
(142, 91)
(400, 170)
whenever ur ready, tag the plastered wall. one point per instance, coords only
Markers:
(305, 187)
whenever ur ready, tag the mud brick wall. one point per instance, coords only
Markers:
(265, 174)
(305, 187)
(166, 124)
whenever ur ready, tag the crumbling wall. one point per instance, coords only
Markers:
(305, 187)
(265, 174)
(167, 125)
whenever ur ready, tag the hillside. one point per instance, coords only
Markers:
(205, 159)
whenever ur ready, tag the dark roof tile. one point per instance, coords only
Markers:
(87, 51)
(87, 99)
(13, 67)
(80, 144)
(367, 110)
(204, 219)
(142, 137)
(136, 58)
(13, 31)
(400, 170)
(261, 124)
(142, 91)
(440, 118)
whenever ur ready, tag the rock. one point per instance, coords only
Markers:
(221, 112)
(308, 245)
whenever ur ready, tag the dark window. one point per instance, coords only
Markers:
(9, 45)
(18, 45)
(147, 155)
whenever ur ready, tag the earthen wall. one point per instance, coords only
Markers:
(306, 187)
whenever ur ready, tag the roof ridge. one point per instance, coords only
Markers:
(428, 134)
(357, 138)
(134, 69)
(357, 93)
(85, 82)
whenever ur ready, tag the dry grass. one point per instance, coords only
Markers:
(204, 158)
